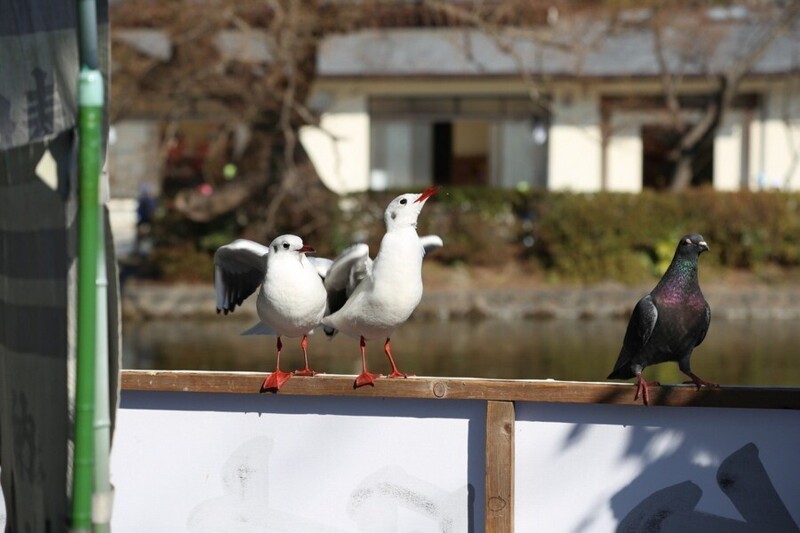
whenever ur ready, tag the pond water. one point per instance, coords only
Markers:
(735, 352)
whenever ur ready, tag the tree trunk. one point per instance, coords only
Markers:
(682, 175)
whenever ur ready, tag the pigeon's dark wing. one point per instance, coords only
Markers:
(640, 327)
(239, 269)
(431, 242)
(705, 326)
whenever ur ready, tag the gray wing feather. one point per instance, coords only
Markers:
(643, 322)
(640, 328)
(705, 329)
(431, 242)
(345, 273)
(349, 269)
(321, 264)
(239, 269)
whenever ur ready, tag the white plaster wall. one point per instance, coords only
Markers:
(624, 153)
(575, 142)
(728, 152)
(777, 139)
(339, 148)
(133, 157)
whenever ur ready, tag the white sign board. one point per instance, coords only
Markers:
(192, 462)
(615, 468)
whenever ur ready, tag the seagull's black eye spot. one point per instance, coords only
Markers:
(286, 246)
(403, 201)
(394, 215)
(275, 247)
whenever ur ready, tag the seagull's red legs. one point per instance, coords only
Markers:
(275, 380)
(699, 382)
(642, 388)
(306, 371)
(364, 378)
(395, 372)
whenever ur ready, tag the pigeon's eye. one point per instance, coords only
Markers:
(403, 201)
(286, 246)
(688, 241)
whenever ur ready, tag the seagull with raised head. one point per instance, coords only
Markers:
(668, 323)
(291, 300)
(370, 299)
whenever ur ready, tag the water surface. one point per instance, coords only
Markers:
(735, 352)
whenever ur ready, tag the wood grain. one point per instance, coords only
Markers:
(465, 389)
(499, 467)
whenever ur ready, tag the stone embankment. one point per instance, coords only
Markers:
(152, 301)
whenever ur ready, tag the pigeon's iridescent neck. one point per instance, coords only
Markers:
(682, 282)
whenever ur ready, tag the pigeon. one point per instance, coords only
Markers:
(369, 299)
(668, 323)
(292, 299)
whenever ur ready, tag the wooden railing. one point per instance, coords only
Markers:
(499, 396)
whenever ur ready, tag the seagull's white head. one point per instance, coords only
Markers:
(404, 210)
(289, 244)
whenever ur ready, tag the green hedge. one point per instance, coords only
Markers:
(569, 237)
(592, 237)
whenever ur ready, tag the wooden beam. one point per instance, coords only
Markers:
(466, 389)
(499, 467)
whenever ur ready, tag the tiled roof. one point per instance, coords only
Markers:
(468, 52)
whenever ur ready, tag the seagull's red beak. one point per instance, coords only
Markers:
(427, 193)
(307, 250)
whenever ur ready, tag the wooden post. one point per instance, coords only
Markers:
(499, 467)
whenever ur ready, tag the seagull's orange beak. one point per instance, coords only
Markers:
(427, 193)
(307, 250)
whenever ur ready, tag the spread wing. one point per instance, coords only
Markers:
(239, 269)
(431, 242)
(345, 273)
(321, 264)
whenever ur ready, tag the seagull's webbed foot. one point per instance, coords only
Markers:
(397, 374)
(306, 372)
(699, 382)
(641, 388)
(275, 381)
(365, 378)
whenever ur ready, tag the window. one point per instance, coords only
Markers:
(457, 141)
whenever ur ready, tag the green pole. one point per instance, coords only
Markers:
(90, 128)
(90, 124)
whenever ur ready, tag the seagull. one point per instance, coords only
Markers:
(668, 323)
(292, 298)
(369, 299)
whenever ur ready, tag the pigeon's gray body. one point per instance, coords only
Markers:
(668, 323)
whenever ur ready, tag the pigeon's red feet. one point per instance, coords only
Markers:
(305, 372)
(641, 388)
(365, 378)
(398, 374)
(275, 381)
(696, 380)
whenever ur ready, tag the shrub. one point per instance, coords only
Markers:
(571, 237)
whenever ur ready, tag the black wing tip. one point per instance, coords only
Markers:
(330, 332)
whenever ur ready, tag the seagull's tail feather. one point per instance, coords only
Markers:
(329, 331)
(259, 329)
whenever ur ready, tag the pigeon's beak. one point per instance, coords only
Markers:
(307, 250)
(703, 246)
(427, 193)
